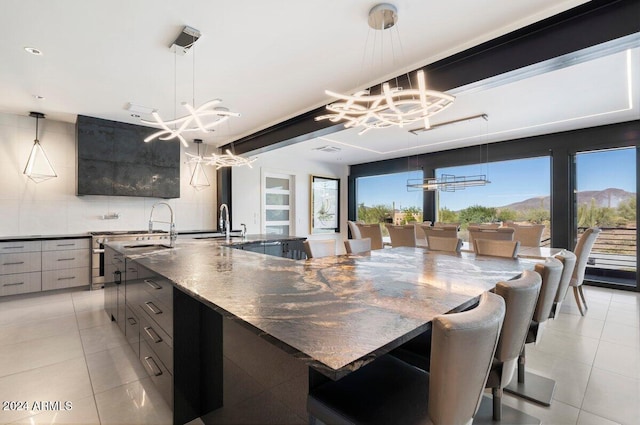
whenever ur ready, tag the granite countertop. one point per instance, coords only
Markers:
(335, 313)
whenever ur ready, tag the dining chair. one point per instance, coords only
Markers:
(357, 246)
(373, 232)
(403, 235)
(499, 234)
(582, 251)
(520, 296)
(494, 248)
(529, 385)
(438, 243)
(486, 225)
(353, 228)
(447, 225)
(440, 232)
(316, 248)
(421, 239)
(527, 234)
(568, 260)
(390, 391)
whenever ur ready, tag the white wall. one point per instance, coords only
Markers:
(246, 192)
(52, 207)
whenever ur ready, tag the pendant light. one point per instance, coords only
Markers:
(199, 179)
(38, 166)
(390, 106)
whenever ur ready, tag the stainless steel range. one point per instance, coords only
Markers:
(98, 239)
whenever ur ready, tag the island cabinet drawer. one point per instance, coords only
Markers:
(67, 259)
(158, 288)
(155, 311)
(132, 331)
(157, 371)
(67, 278)
(20, 283)
(20, 246)
(158, 340)
(64, 244)
(23, 262)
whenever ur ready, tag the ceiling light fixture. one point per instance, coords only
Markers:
(392, 106)
(228, 159)
(202, 118)
(199, 179)
(38, 166)
(450, 182)
(33, 51)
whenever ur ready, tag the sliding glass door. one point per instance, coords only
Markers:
(605, 196)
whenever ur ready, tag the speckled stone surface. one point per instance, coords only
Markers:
(335, 313)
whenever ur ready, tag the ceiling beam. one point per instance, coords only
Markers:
(587, 25)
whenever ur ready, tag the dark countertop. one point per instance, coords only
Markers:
(335, 313)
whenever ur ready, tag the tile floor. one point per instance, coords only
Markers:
(61, 347)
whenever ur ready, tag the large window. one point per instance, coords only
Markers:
(385, 199)
(606, 197)
(519, 191)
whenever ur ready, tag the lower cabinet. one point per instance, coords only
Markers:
(186, 367)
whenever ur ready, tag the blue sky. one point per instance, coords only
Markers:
(511, 181)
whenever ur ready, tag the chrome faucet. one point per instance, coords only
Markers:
(224, 222)
(173, 235)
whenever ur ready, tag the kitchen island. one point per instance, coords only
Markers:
(335, 314)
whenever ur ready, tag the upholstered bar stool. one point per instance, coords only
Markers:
(357, 246)
(401, 235)
(390, 391)
(568, 260)
(507, 249)
(316, 248)
(582, 251)
(499, 234)
(373, 232)
(528, 385)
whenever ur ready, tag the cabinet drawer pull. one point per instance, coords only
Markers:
(13, 284)
(152, 334)
(67, 278)
(66, 244)
(153, 366)
(13, 247)
(152, 284)
(154, 308)
(67, 259)
(13, 264)
(132, 321)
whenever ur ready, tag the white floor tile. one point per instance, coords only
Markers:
(625, 314)
(569, 347)
(557, 414)
(619, 359)
(136, 403)
(621, 334)
(64, 381)
(572, 324)
(36, 312)
(16, 333)
(31, 299)
(613, 397)
(114, 367)
(102, 338)
(587, 418)
(92, 318)
(39, 352)
(80, 412)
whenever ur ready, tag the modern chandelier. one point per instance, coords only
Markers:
(392, 106)
(200, 119)
(228, 159)
(199, 179)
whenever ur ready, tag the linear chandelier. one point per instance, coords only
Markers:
(200, 119)
(446, 183)
(38, 166)
(228, 159)
(393, 106)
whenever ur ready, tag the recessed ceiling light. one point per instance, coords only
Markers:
(33, 51)
(135, 115)
(37, 96)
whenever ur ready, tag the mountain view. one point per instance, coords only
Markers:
(607, 198)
